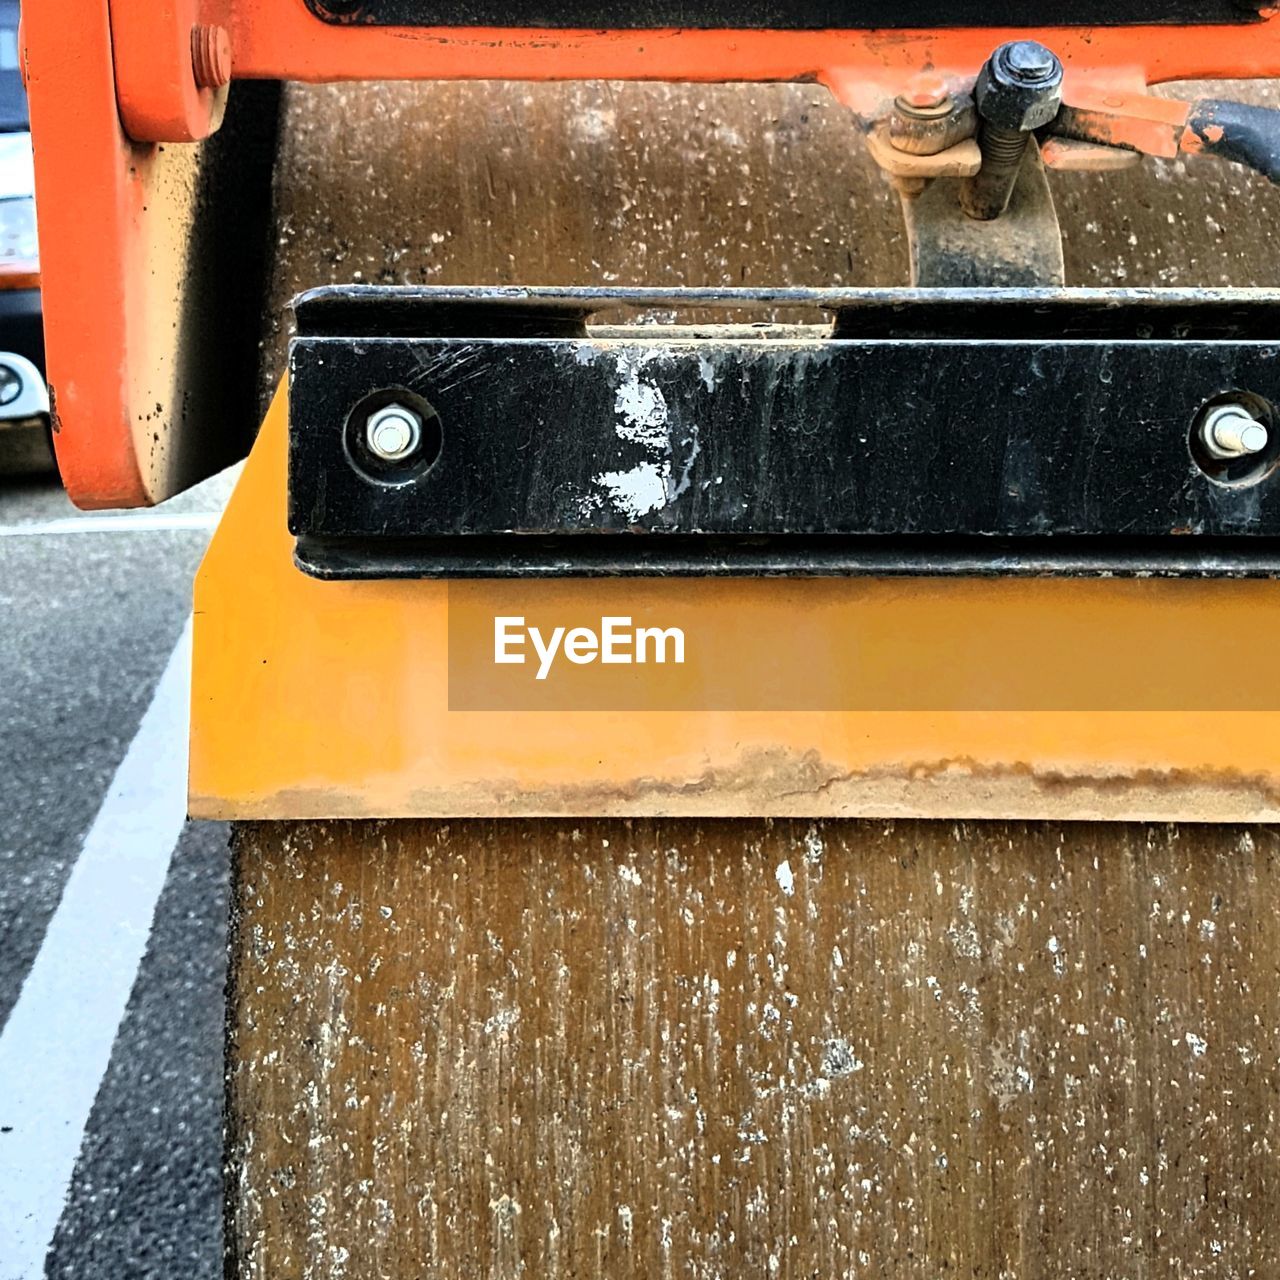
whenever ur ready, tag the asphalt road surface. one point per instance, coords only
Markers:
(111, 978)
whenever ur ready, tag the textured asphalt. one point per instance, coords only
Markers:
(87, 623)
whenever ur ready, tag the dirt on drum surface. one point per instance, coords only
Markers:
(637, 1048)
(655, 184)
(632, 1048)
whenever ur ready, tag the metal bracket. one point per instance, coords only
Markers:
(1022, 249)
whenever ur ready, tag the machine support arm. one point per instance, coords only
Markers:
(1234, 131)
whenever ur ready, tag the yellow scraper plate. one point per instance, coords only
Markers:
(1036, 698)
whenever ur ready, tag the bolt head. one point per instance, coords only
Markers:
(211, 55)
(1019, 86)
(1027, 61)
(926, 93)
(393, 433)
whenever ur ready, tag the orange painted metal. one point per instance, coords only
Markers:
(114, 218)
(110, 236)
(284, 41)
(319, 699)
(1136, 121)
(865, 69)
(1132, 121)
(90, 189)
(156, 88)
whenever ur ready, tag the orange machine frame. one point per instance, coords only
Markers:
(115, 107)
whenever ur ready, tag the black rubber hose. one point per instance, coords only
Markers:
(1246, 135)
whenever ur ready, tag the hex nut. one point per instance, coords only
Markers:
(926, 95)
(929, 132)
(393, 433)
(1020, 87)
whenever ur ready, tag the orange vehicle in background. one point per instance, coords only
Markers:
(24, 398)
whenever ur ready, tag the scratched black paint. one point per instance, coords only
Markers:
(1057, 441)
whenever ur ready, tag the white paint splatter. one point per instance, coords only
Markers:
(505, 1209)
(594, 124)
(839, 1059)
(643, 419)
(813, 846)
(640, 405)
(964, 938)
(675, 488)
(1197, 1046)
(502, 1021)
(785, 878)
(639, 491)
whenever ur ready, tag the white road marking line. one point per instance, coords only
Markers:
(57, 1042)
(156, 522)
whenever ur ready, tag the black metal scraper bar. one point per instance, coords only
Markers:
(780, 15)
(974, 432)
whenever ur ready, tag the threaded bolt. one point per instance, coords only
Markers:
(1018, 91)
(393, 433)
(211, 55)
(987, 194)
(1231, 431)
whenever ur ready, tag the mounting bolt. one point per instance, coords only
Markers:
(925, 97)
(211, 55)
(1019, 90)
(1231, 431)
(393, 433)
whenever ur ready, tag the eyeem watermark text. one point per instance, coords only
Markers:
(616, 642)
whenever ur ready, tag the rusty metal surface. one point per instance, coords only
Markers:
(1020, 249)
(737, 1048)
(609, 1049)
(610, 184)
(653, 184)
